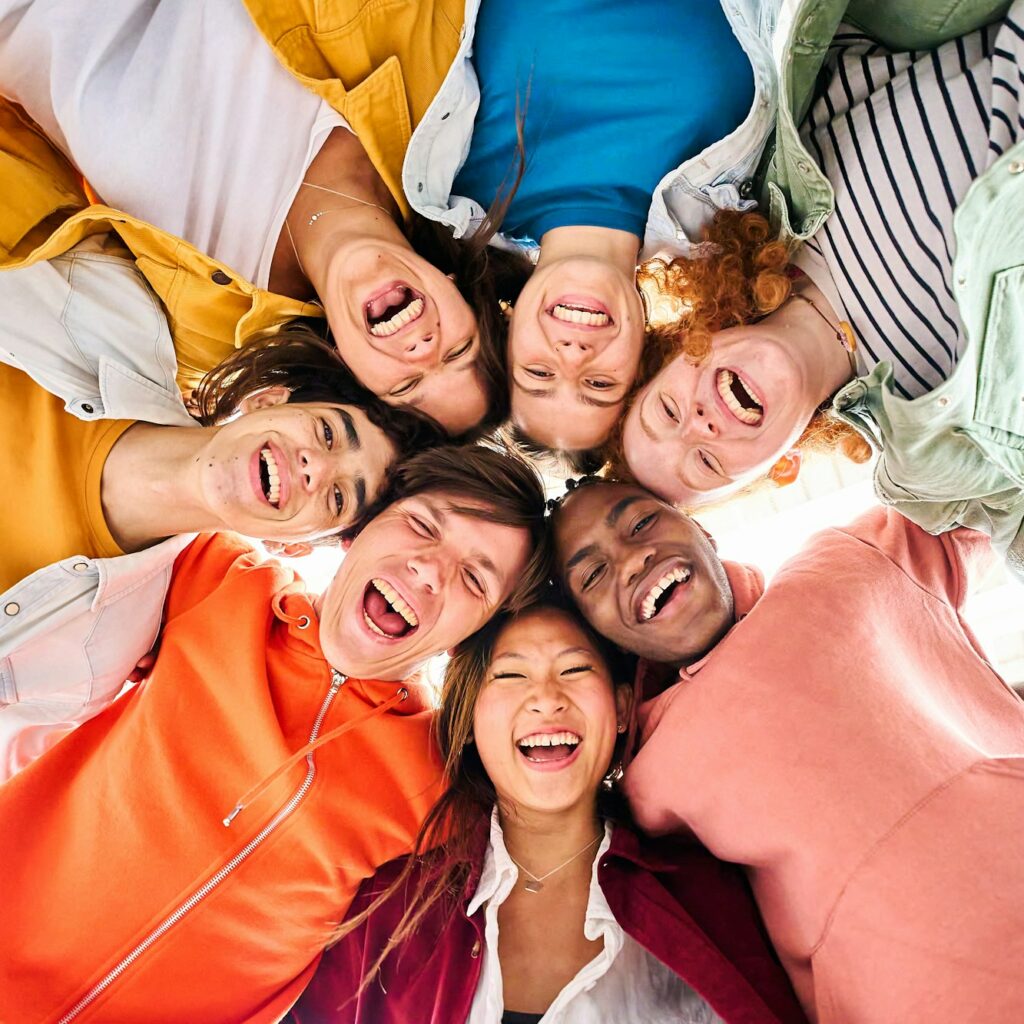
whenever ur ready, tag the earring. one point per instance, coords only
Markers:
(613, 776)
(621, 727)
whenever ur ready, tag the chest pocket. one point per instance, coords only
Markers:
(1000, 401)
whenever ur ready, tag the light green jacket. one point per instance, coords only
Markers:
(955, 456)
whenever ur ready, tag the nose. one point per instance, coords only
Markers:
(425, 572)
(702, 424)
(573, 353)
(546, 696)
(312, 469)
(637, 561)
(420, 350)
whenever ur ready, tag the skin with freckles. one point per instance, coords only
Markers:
(330, 462)
(569, 379)
(614, 543)
(451, 569)
(685, 440)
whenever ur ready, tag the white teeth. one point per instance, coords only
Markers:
(549, 739)
(678, 575)
(386, 328)
(588, 317)
(396, 601)
(274, 475)
(724, 382)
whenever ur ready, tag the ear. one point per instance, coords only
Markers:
(623, 703)
(787, 469)
(277, 394)
(288, 549)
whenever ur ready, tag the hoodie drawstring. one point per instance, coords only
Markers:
(314, 744)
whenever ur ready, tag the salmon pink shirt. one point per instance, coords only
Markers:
(850, 745)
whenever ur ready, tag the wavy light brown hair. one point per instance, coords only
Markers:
(448, 842)
(745, 276)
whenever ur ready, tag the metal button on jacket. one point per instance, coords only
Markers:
(219, 277)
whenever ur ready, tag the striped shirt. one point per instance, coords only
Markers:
(901, 136)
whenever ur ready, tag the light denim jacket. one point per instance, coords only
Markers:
(955, 456)
(722, 176)
(87, 328)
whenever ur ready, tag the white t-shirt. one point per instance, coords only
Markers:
(622, 983)
(176, 111)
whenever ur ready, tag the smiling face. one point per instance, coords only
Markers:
(406, 332)
(696, 433)
(642, 574)
(545, 718)
(574, 348)
(419, 579)
(294, 472)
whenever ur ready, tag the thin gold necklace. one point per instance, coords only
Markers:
(537, 883)
(843, 331)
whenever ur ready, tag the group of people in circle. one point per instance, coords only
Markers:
(353, 275)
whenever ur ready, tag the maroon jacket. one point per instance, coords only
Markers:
(693, 912)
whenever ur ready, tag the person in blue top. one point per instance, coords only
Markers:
(587, 109)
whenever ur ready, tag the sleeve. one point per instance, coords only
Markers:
(948, 565)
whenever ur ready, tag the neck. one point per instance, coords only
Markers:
(150, 486)
(302, 258)
(814, 325)
(542, 841)
(607, 244)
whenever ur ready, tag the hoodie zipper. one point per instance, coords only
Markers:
(337, 681)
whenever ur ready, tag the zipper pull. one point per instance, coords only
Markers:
(337, 680)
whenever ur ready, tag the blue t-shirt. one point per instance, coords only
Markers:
(620, 93)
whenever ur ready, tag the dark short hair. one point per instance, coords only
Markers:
(296, 357)
(561, 462)
(505, 485)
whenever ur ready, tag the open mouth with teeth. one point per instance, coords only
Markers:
(662, 591)
(579, 314)
(739, 397)
(386, 613)
(270, 476)
(392, 309)
(548, 747)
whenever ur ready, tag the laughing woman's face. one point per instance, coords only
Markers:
(404, 329)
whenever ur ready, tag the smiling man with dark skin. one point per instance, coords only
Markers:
(832, 733)
(644, 575)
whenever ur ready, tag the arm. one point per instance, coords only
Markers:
(70, 636)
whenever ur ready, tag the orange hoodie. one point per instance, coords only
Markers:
(126, 896)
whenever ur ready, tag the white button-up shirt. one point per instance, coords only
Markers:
(86, 327)
(719, 177)
(622, 983)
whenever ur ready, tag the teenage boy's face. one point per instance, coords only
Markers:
(642, 574)
(419, 579)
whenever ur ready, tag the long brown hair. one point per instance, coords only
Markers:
(744, 277)
(447, 845)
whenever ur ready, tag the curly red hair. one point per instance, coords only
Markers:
(744, 276)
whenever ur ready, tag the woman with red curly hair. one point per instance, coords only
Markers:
(895, 328)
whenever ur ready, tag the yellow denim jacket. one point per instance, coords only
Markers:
(378, 65)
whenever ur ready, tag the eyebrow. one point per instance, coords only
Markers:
(585, 399)
(360, 488)
(619, 507)
(580, 555)
(351, 434)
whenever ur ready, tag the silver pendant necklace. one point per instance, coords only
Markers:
(535, 884)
